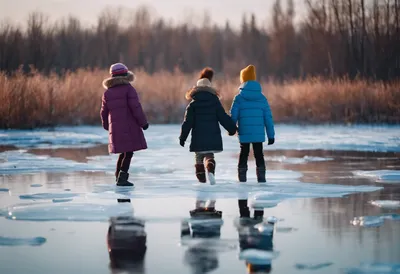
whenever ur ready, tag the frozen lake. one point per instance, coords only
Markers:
(332, 192)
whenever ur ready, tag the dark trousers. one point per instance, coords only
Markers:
(123, 163)
(258, 154)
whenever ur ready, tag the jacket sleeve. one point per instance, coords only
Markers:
(225, 120)
(187, 124)
(136, 107)
(268, 121)
(235, 109)
(104, 113)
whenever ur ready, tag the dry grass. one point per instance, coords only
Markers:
(38, 101)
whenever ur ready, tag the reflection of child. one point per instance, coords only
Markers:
(251, 111)
(126, 242)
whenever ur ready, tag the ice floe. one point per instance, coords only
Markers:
(374, 221)
(380, 176)
(84, 212)
(8, 241)
(47, 196)
(309, 266)
(257, 256)
(387, 204)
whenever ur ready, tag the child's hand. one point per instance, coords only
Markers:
(146, 126)
(232, 133)
(182, 143)
(271, 141)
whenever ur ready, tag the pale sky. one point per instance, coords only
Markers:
(177, 10)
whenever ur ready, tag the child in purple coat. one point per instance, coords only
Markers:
(122, 115)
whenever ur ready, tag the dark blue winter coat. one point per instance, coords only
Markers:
(203, 116)
(251, 111)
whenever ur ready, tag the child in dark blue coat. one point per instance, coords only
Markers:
(203, 116)
(251, 111)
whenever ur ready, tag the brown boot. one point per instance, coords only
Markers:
(210, 163)
(200, 173)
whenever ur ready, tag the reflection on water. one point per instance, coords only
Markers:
(126, 243)
(205, 223)
(74, 154)
(255, 239)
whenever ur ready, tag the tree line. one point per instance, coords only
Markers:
(336, 38)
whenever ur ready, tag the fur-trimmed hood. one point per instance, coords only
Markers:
(202, 85)
(119, 80)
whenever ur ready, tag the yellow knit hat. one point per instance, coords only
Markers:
(248, 74)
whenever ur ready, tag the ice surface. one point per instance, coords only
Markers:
(381, 176)
(374, 268)
(84, 212)
(47, 196)
(312, 266)
(36, 185)
(260, 195)
(389, 204)
(37, 241)
(294, 160)
(328, 137)
(258, 257)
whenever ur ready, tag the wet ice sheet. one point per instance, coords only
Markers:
(7, 241)
(381, 176)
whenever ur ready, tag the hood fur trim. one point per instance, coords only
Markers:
(203, 82)
(191, 92)
(119, 80)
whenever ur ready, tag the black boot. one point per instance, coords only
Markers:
(242, 174)
(200, 173)
(261, 175)
(123, 179)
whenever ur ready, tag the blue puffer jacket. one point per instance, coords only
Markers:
(251, 111)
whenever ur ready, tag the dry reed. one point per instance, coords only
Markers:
(35, 100)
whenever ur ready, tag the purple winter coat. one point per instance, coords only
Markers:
(122, 115)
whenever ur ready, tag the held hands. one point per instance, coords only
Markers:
(146, 126)
(182, 142)
(271, 141)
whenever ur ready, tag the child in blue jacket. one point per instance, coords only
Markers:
(251, 111)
